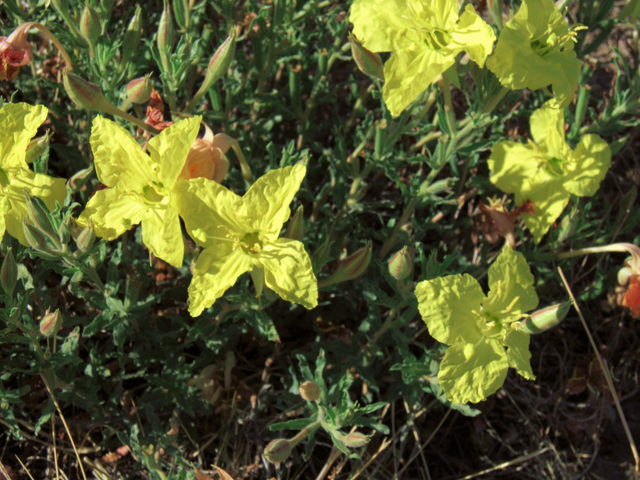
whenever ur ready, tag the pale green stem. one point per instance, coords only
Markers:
(45, 31)
(493, 103)
(630, 248)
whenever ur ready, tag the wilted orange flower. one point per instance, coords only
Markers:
(155, 112)
(498, 222)
(207, 158)
(15, 52)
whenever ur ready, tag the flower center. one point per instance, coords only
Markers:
(489, 325)
(437, 38)
(549, 42)
(4, 179)
(251, 243)
(553, 166)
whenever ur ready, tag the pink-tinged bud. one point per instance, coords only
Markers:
(15, 52)
(79, 179)
(39, 218)
(356, 440)
(543, 320)
(219, 63)
(51, 323)
(9, 274)
(632, 295)
(278, 450)
(368, 62)
(165, 37)
(37, 147)
(131, 39)
(321, 256)
(207, 157)
(356, 264)
(295, 230)
(139, 90)
(86, 237)
(309, 391)
(85, 95)
(401, 264)
(90, 28)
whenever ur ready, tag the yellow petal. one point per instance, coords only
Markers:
(288, 272)
(118, 157)
(265, 207)
(170, 148)
(162, 235)
(19, 122)
(112, 212)
(216, 270)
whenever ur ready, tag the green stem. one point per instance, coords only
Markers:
(305, 432)
(493, 103)
(391, 239)
(45, 31)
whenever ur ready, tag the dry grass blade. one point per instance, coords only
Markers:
(515, 461)
(607, 376)
(24, 467)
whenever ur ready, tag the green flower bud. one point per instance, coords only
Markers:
(278, 450)
(309, 391)
(79, 179)
(37, 147)
(165, 37)
(39, 218)
(9, 274)
(355, 264)
(401, 264)
(86, 237)
(219, 63)
(544, 319)
(139, 90)
(90, 28)
(51, 323)
(295, 230)
(321, 256)
(86, 95)
(368, 62)
(131, 38)
(356, 440)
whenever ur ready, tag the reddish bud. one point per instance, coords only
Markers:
(295, 230)
(90, 28)
(401, 264)
(544, 319)
(278, 450)
(85, 95)
(51, 323)
(165, 37)
(321, 256)
(139, 90)
(131, 38)
(37, 147)
(368, 62)
(355, 264)
(356, 440)
(219, 63)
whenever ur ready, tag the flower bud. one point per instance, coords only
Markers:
(90, 28)
(9, 274)
(51, 323)
(139, 90)
(86, 237)
(356, 264)
(39, 218)
(401, 264)
(368, 62)
(61, 5)
(278, 450)
(207, 157)
(86, 95)
(79, 179)
(309, 391)
(356, 440)
(131, 38)
(544, 319)
(219, 63)
(165, 36)
(295, 230)
(321, 256)
(37, 147)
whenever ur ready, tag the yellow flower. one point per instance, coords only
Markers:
(240, 234)
(18, 124)
(141, 186)
(424, 35)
